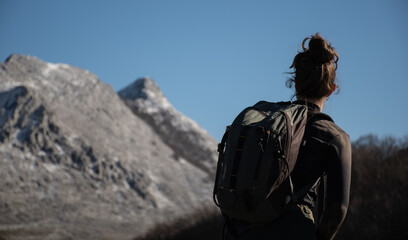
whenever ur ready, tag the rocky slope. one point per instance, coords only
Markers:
(181, 133)
(77, 162)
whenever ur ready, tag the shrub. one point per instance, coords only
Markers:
(202, 224)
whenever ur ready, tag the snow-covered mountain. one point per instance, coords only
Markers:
(182, 134)
(78, 161)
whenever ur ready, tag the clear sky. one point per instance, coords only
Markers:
(213, 58)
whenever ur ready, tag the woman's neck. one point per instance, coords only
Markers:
(319, 102)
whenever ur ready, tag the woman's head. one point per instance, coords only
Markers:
(314, 69)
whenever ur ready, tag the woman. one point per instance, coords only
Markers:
(327, 152)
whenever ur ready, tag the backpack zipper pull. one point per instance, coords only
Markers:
(268, 135)
(261, 140)
(261, 145)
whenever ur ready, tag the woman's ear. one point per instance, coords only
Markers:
(332, 90)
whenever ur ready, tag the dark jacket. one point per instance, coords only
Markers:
(326, 152)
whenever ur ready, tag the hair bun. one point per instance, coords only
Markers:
(315, 69)
(320, 50)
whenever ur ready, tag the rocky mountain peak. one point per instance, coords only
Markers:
(182, 134)
(144, 88)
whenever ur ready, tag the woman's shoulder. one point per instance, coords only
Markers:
(327, 130)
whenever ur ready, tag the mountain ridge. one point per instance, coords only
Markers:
(75, 154)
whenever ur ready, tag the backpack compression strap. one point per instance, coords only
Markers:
(221, 147)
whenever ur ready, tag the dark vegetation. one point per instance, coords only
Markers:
(378, 203)
(379, 191)
(202, 224)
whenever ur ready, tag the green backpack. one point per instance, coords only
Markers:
(256, 156)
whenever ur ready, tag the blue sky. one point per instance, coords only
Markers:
(213, 58)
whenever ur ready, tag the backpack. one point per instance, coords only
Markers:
(256, 156)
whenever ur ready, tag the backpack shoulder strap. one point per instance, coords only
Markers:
(312, 117)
